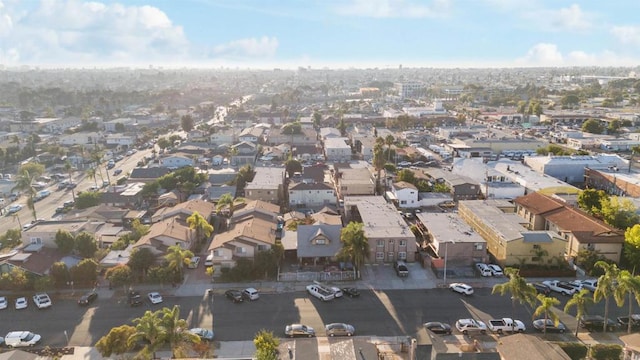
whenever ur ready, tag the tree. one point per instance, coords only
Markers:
(627, 285)
(88, 199)
(606, 286)
(201, 226)
(27, 173)
(317, 118)
(592, 126)
(85, 272)
(266, 345)
(614, 127)
(378, 162)
(119, 275)
(619, 213)
(119, 127)
(546, 305)
(516, 286)
(292, 166)
(175, 331)
(64, 241)
(176, 258)
(389, 140)
(187, 123)
(69, 169)
(140, 260)
(163, 143)
(355, 245)
(150, 332)
(590, 200)
(632, 246)
(116, 341)
(91, 173)
(11, 238)
(580, 301)
(59, 273)
(227, 200)
(342, 127)
(85, 244)
(406, 175)
(570, 100)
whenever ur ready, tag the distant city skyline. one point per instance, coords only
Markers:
(319, 33)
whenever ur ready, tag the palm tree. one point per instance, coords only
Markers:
(378, 162)
(149, 330)
(91, 173)
(175, 331)
(580, 300)
(24, 183)
(69, 169)
(227, 200)
(546, 305)
(518, 288)
(355, 245)
(606, 286)
(627, 285)
(201, 226)
(176, 258)
(389, 140)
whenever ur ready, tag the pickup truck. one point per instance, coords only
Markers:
(561, 287)
(506, 325)
(320, 292)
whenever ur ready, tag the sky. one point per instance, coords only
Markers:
(319, 33)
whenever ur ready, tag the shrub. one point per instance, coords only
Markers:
(576, 351)
(606, 352)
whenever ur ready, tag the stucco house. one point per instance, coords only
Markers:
(176, 162)
(405, 194)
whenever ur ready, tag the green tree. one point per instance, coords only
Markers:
(85, 244)
(517, 287)
(406, 175)
(69, 169)
(266, 345)
(614, 127)
(632, 246)
(59, 273)
(619, 213)
(88, 199)
(342, 127)
(570, 100)
(176, 333)
(119, 127)
(606, 286)
(27, 173)
(119, 276)
(116, 341)
(11, 238)
(590, 200)
(163, 143)
(85, 272)
(378, 163)
(149, 331)
(580, 301)
(355, 245)
(140, 260)
(187, 123)
(546, 307)
(92, 174)
(176, 258)
(317, 119)
(627, 285)
(389, 140)
(64, 241)
(200, 225)
(292, 166)
(592, 126)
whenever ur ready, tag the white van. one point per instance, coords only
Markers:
(209, 260)
(21, 339)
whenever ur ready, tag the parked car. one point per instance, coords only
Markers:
(596, 323)
(467, 326)
(624, 322)
(204, 334)
(495, 270)
(337, 292)
(21, 303)
(461, 288)
(21, 339)
(401, 268)
(14, 208)
(87, 298)
(299, 330)
(506, 325)
(3, 303)
(250, 294)
(134, 298)
(194, 262)
(438, 327)
(42, 301)
(339, 329)
(551, 326)
(117, 172)
(541, 288)
(234, 295)
(351, 292)
(590, 284)
(561, 287)
(155, 297)
(483, 269)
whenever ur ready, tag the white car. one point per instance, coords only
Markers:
(461, 288)
(155, 297)
(336, 292)
(3, 303)
(42, 301)
(495, 270)
(590, 284)
(483, 269)
(21, 303)
(466, 326)
(14, 208)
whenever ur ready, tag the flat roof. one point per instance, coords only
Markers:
(380, 219)
(266, 177)
(449, 226)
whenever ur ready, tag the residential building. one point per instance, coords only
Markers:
(120, 140)
(169, 232)
(509, 241)
(111, 125)
(147, 175)
(461, 187)
(222, 176)
(252, 135)
(176, 162)
(409, 89)
(354, 181)
(197, 135)
(319, 243)
(329, 132)
(215, 192)
(124, 196)
(80, 138)
(245, 237)
(389, 236)
(631, 350)
(185, 209)
(337, 149)
(512, 347)
(404, 194)
(613, 181)
(305, 137)
(267, 185)
(244, 153)
(43, 234)
(493, 183)
(311, 194)
(579, 229)
(223, 137)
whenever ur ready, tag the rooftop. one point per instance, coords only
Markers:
(380, 219)
(446, 226)
(266, 178)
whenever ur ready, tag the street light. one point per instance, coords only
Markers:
(446, 248)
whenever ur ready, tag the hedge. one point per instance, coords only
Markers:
(606, 352)
(576, 351)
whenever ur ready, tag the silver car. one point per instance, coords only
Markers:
(339, 329)
(299, 330)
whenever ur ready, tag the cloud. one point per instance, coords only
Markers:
(571, 18)
(394, 9)
(627, 34)
(542, 54)
(547, 54)
(252, 47)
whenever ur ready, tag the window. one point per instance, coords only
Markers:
(321, 241)
(217, 253)
(36, 240)
(403, 202)
(263, 247)
(479, 246)
(402, 255)
(536, 247)
(403, 243)
(380, 255)
(241, 250)
(391, 242)
(380, 243)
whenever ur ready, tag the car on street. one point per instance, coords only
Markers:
(294, 330)
(351, 292)
(117, 172)
(42, 301)
(14, 208)
(68, 204)
(134, 298)
(401, 268)
(250, 294)
(71, 185)
(624, 322)
(541, 288)
(155, 297)
(59, 210)
(596, 323)
(21, 303)
(551, 326)
(3, 303)
(94, 188)
(234, 295)
(203, 334)
(461, 288)
(21, 339)
(483, 269)
(590, 284)
(496, 270)
(467, 326)
(87, 298)
(438, 327)
(337, 292)
(339, 329)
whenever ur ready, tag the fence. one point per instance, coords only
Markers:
(317, 276)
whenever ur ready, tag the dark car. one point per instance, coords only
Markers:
(117, 172)
(541, 288)
(624, 321)
(401, 268)
(88, 298)
(134, 298)
(351, 292)
(551, 326)
(596, 322)
(234, 295)
(438, 327)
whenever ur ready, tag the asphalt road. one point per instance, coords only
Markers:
(388, 313)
